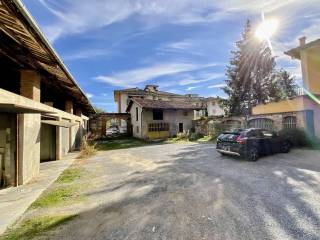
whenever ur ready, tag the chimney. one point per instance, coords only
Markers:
(151, 88)
(302, 41)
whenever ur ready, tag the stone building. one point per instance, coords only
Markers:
(213, 107)
(43, 112)
(302, 111)
(158, 119)
(152, 92)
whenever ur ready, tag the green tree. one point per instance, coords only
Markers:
(239, 77)
(252, 78)
(287, 84)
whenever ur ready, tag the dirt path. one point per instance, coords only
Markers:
(188, 191)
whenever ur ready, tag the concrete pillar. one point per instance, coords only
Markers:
(71, 136)
(30, 84)
(69, 107)
(58, 141)
(79, 112)
(29, 126)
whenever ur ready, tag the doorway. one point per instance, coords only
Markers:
(47, 143)
(8, 126)
(180, 127)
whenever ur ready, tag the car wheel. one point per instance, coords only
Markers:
(252, 154)
(285, 147)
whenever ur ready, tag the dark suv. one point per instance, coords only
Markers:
(251, 143)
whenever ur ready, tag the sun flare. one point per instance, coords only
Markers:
(266, 29)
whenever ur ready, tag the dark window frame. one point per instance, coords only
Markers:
(158, 127)
(289, 122)
(137, 114)
(157, 114)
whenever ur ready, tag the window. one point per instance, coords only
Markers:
(264, 123)
(157, 114)
(185, 113)
(158, 127)
(137, 129)
(289, 122)
(137, 114)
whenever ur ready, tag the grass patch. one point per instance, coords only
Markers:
(69, 175)
(187, 139)
(31, 228)
(114, 144)
(207, 139)
(57, 196)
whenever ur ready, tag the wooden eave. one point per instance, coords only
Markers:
(29, 49)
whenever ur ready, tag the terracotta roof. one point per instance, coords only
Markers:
(142, 92)
(159, 104)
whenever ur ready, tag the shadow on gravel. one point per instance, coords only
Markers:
(197, 194)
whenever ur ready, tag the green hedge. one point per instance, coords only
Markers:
(300, 138)
(215, 130)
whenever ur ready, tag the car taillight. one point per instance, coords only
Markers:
(241, 140)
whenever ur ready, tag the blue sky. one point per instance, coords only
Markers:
(181, 45)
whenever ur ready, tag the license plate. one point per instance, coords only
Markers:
(226, 148)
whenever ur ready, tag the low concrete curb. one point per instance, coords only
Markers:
(15, 201)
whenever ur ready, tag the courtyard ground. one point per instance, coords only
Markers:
(185, 191)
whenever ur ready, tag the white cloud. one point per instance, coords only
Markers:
(191, 88)
(185, 44)
(217, 85)
(189, 46)
(89, 95)
(86, 54)
(134, 77)
(204, 77)
(82, 15)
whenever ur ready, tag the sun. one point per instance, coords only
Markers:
(266, 29)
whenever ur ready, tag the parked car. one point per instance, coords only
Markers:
(252, 143)
(112, 130)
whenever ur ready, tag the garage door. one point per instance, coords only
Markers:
(77, 141)
(47, 143)
(7, 149)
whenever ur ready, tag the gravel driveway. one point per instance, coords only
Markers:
(188, 191)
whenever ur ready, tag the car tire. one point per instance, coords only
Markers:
(252, 154)
(285, 147)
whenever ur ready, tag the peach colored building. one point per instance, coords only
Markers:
(302, 111)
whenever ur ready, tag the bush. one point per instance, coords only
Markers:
(183, 136)
(300, 138)
(87, 149)
(215, 130)
(195, 136)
